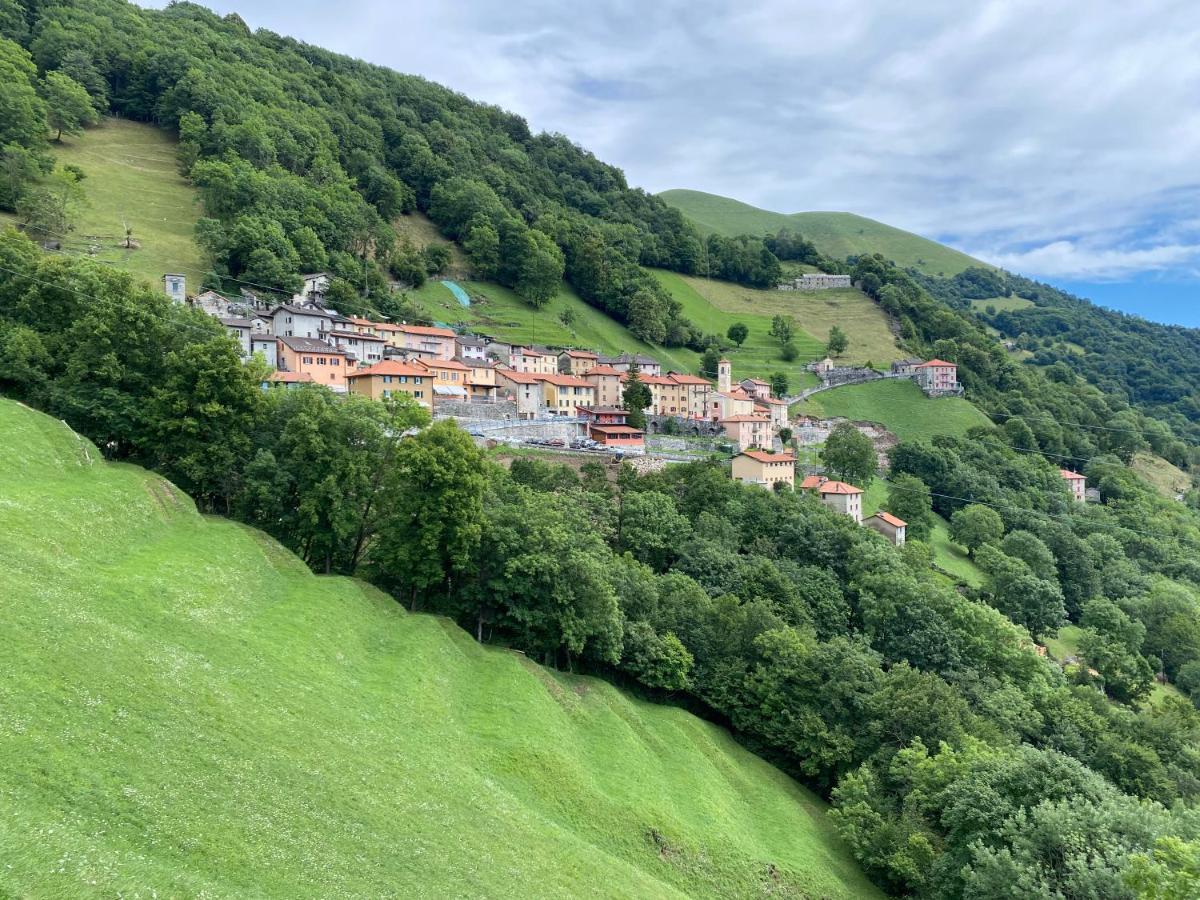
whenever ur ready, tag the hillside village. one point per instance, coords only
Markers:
(500, 389)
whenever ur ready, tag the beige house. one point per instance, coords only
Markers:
(888, 525)
(532, 361)
(437, 342)
(390, 378)
(693, 394)
(777, 411)
(607, 383)
(481, 380)
(727, 404)
(843, 498)
(748, 431)
(577, 362)
(767, 469)
(1076, 483)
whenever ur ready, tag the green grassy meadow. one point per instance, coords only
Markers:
(836, 234)
(1002, 304)
(186, 710)
(133, 176)
(715, 305)
(899, 405)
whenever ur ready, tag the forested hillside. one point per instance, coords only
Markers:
(922, 710)
(1154, 367)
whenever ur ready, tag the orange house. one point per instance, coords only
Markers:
(325, 363)
(390, 377)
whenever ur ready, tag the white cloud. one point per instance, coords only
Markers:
(1068, 259)
(1003, 124)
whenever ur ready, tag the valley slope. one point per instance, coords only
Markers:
(186, 708)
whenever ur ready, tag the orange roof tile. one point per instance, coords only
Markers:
(443, 364)
(289, 377)
(838, 487)
(518, 377)
(602, 370)
(1073, 476)
(582, 354)
(890, 519)
(679, 378)
(763, 456)
(810, 482)
(565, 381)
(746, 419)
(389, 367)
(426, 330)
(936, 362)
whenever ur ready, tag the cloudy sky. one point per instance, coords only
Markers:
(1060, 140)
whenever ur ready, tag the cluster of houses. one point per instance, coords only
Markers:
(305, 342)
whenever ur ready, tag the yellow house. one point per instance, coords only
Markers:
(577, 362)
(693, 394)
(449, 378)
(606, 382)
(481, 380)
(532, 361)
(390, 377)
(767, 469)
(565, 393)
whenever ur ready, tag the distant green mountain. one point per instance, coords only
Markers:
(835, 233)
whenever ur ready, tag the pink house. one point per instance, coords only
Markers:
(748, 431)
(937, 375)
(1077, 483)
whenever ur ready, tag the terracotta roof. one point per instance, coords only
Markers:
(936, 362)
(615, 429)
(580, 354)
(289, 377)
(358, 320)
(387, 326)
(1066, 473)
(602, 370)
(746, 419)
(389, 367)
(565, 381)
(679, 378)
(518, 377)
(838, 487)
(810, 482)
(443, 364)
(656, 379)
(890, 519)
(423, 329)
(765, 457)
(776, 401)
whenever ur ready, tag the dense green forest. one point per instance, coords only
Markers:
(958, 760)
(1154, 367)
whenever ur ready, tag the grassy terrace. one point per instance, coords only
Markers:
(188, 711)
(133, 177)
(897, 404)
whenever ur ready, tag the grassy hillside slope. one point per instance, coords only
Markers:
(186, 710)
(500, 313)
(899, 405)
(837, 234)
(715, 305)
(133, 176)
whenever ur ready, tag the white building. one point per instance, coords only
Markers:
(175, 287)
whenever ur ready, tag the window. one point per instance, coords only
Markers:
(403, 379)
(418, 394)
(320, 360)
(387, 379)
(335, 361)
(308, 360)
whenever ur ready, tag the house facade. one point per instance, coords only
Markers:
(607, 384)
(842, 498)
(292, 320)
(766, 469)
(264, 344)
(577, 362)
(564, 394)
(1076, 483)
(748, 431)
(175, 287)
(469, 347)
(533, 361)
(523, 389)
(647, 364)
(428, 341)
(389, 378)
(889, 526)
(324, 362)
(756, 388)
(366, 349)
(937, 376)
